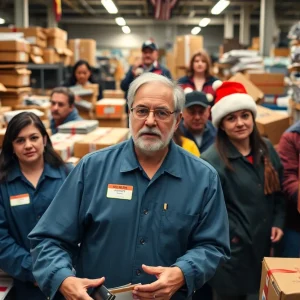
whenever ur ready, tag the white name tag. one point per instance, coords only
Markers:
(118, 191)
(17, 200)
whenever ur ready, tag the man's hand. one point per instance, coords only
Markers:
(74, 288)
(169, 280)
(276, 234)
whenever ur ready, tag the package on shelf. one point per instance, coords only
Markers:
(45, 109)
(186, 46)
(36, 59)
(83, 49)
(80, 127)
(251, 89)
(56, 38)
(50, 56)
(110, 108)
(15, 77)
(36, 50)
(3, 109)
(120, 123)
(65, 56)
(280, 279)
(118, 94)
(10, 114)
(2, 88)
(17, 45)
(99, 139)
(63, 144)
(272, 123)
(268, 83)
(14, 96)
(88, 92)
(14, 57)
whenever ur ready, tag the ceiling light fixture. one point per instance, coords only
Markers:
(120, 21)
(195, 30)
(219, 7)
(126, 29)
(109, 6)
(204, 22)
(2, 21)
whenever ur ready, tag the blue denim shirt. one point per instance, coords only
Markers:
(72, 116)
(178, 218)
(16, 221)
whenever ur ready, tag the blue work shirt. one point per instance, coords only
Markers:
(72, 116)
(178, 218)
(18, 218)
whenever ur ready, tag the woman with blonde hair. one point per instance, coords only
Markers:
(199, 76)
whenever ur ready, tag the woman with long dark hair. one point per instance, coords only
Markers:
(250, 171)
(31, 173)
(82, 74)
(199, 75)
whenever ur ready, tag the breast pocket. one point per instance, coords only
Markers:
(174, 232)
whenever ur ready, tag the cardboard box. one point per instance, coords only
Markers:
(34, 35)
(14, 57)
(186, 46)
(45, 109)
(110, 108)
(268, 83)
(251, 89)
(170, 63)
(116, 94)
(285, 52)
(2, 88)
(16, 45)
(93, 98)
(15, 78)
(56, 32)
(56, 43)
(63, 144)
(271, 123)
(99, 139)
(83, 49)
(36, 59)
(50, 56)
(119, 123)
(280, 279)
(14, 96)
(180, 72)
(35, 50)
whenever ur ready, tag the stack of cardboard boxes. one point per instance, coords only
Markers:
(83, 49)
(14, 75)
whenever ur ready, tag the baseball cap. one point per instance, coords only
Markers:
(149, 44)
(196, 98)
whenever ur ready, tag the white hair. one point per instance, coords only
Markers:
(178, 94)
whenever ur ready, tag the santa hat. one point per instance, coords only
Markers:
(230, 97)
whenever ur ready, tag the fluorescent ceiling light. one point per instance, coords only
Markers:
(204, 22)
(219, 7)
(195, 30)
(126, 29)
(2, 21)
(109, 6)
(120, 21)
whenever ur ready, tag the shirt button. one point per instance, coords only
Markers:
(142, 241)
(145, 211)
(138, 272)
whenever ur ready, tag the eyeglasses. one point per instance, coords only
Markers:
(142, 113)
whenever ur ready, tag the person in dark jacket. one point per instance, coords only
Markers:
(195, 124)
(149, 64)
(63, 109)
(289, 152)
(250, 171)
(82, 74)
(31, 174)
(199, 76)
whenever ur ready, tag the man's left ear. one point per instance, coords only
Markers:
(178, 119)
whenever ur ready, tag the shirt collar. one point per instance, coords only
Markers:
(49, 171)
(231, 151)
(170, 165)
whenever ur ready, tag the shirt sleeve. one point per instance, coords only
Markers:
(55, 239)
(289, 156)
(14, 259)
(127, 80)
(210, 244)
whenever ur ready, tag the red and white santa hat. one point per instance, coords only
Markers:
(230, 97)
